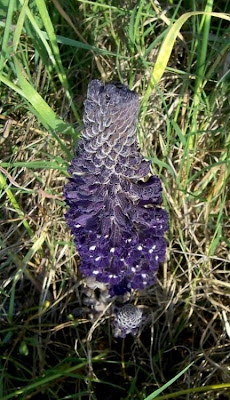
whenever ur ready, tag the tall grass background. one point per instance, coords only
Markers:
(176, 55)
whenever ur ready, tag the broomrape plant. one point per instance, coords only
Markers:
(114, 214)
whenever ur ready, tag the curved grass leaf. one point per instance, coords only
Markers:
(169, 383)
(43, 111)
(167, 46)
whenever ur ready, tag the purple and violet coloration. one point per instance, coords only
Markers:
(127, 320)
(114, 214)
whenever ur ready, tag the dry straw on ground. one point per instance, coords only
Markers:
(45, 327)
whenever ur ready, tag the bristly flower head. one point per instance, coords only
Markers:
(114, 215)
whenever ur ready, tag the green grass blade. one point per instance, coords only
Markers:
(46, 115)
(53, 55)
(218, 234)
(167, 46)
(131, 29)
(19, 26)
(202, 389)
(55, 50)
(200, 68)
(73, 43)
(50, 376)
(14, 203)
(11, 85)
(169, 383)
(202, 51)
(36, 165)
(6, 35)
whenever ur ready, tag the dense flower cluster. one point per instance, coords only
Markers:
(114, 215)
(127, 320)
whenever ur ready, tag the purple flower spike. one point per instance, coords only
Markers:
(114, 215)
(127, 320)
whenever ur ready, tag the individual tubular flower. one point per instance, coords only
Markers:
(127, 320)
(113, 214)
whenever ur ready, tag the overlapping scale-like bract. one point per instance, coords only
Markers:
(127, 320)
(114, 215)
